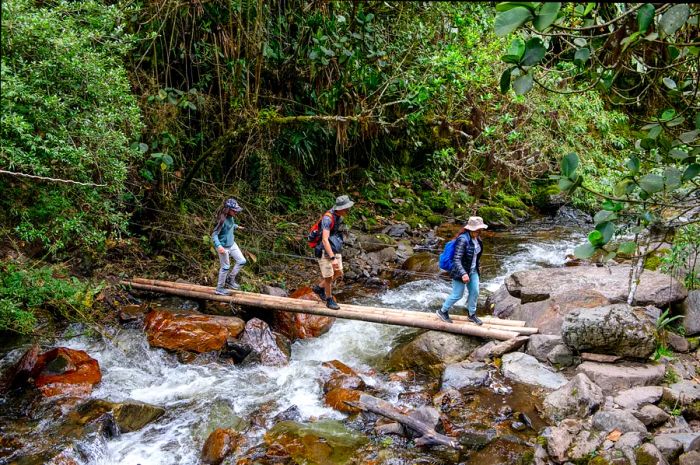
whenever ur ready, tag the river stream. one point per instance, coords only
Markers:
(207, 394)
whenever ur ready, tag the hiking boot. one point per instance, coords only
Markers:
(330, 303)
(234, 286)
(221, 291)
(443, 316)
(319, 291)
(475, 319)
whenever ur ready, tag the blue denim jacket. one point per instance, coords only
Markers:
(464, 253)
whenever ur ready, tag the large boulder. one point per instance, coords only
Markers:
(430, 350)
(616, 419)
(62, 371)
(501, 303)
(220, 443)
(301, 325)
(526, 369)
(613, 377)
(18, 374)
(128, 416)
(266, 347)
(691, 312)
(614, 329)
(341, 376)
(570, 441)
(638, 397)
(547, 315)
(612, 282)
(190, 331)
(578, 398)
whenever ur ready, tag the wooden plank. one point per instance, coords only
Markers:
(375, 315)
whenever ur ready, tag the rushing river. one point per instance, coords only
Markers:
(201, 396)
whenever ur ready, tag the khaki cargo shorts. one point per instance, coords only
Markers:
(326, 265)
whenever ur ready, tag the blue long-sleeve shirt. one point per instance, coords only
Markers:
(223, 233)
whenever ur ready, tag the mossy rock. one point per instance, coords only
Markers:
(434, 220)
(414, 221)
(512, 202)
(598, 461)
(544, 196)
(496, 217)
(440, 201)
(654, 260)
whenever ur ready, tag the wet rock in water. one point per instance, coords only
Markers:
(62, 371)
(190, 331)
(301, 325)
(342, 376)
(651, 415)
(690, 309)
(338, 397)
(493, 349)
(236, 350)
(291, 414)
(614, 329)
(430, 350)
(578, 398)
(220, 444)
(423, 262)
(613, 377)
(465, 375)
(127, 416)
(526, 369)
(637, 397)
(267, 347)
(17, 375)
(321, 443)
(478, 438)
(616, 419)
(548, 315)
(654, 288)
(132, 312)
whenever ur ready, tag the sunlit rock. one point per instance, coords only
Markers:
(220, 444)
(66, 372)
(301, 325)
(190, 331)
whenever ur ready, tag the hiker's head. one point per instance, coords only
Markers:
(342, 205)
(232, 207)
(474, 225)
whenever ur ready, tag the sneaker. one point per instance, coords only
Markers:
(443, 316)
(220, 291)
(330, 303)
(319, 291)
(234, 286)
(475, 319)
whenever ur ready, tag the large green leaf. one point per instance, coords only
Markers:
(505, 80)
(534, 52)
(672, 178)
(569, 163)
(585, 250)
(517, 47)
(505, 6)
(674, 18)
(627, 247)
(691, 172)
(547, 15)
(581, 56)
(606, 229)
(523, 84)
(645, 16)
(565, 184)
(623, 187)
(603, 216)
(652, 183)
(595, 237)
(633, 165)
(678, 154)
(509, 21)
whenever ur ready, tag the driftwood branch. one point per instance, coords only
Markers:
(428, 435)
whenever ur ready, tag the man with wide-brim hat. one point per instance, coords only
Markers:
(465, 269)
(330, 261)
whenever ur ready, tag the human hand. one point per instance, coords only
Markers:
(241, 228)
(220, 249)
(336, 265)
(465, 278)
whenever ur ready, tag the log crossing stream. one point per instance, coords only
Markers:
(493, 328)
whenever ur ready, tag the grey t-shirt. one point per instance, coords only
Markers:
(477, 249)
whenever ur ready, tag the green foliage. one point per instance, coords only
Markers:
(683, 259)
(23, 291)
(67, 112)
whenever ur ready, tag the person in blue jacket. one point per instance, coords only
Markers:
(226, 247)
(465, 269)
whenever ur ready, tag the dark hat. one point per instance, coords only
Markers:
(343, 203)
(233, 205)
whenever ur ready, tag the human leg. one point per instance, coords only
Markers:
(457, 293)
(473, 289)
(224, 269)
(237, 255)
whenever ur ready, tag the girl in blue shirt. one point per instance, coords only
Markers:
(227, 248)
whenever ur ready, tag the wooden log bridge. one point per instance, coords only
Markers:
(493, 328)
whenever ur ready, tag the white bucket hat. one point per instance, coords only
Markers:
(475, 223)
(343, 203)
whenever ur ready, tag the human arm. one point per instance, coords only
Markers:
(460, 250)
(215, 237)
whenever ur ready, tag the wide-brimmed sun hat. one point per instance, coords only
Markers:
(343, 203)
(475, 223)
(232, 204)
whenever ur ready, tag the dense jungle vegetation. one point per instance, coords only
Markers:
(145, 115)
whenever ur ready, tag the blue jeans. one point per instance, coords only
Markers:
(458, 291)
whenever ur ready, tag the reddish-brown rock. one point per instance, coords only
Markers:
(219, 445)
(342, 376)
(302, 325)
(336, 399)
(190, 331)
(63, 371)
